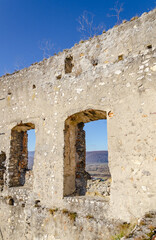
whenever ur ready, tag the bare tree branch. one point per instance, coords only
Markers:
(118, 8)
(47, 47)
(86, 25)
(19, 63)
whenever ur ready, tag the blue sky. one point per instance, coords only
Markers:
(96, 136)
(26, 25)
(31, 140)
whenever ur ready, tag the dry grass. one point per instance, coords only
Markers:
(71, 215)
(124, 230)
(89, 216)
(53, 210)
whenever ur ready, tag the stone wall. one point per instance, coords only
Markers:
(18, 158)
(18, 161)
(2, 168)
(57, 94)
(98, 187)
(81, 175)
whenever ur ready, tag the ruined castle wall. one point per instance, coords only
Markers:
(114, 73)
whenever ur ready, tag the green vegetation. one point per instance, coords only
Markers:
(118, 237)
(124, 230)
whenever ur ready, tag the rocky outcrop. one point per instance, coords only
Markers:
(99, 188)
(145, 228)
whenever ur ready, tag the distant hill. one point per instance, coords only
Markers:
(30, 159)
(97, 164)
(94, 157)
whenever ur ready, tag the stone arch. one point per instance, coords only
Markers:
(75, 176)
(18, 160)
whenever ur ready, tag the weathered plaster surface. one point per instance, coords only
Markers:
(46, 94)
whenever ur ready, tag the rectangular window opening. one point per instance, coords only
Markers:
(22, 147)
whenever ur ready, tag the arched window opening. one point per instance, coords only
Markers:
(18, 161)
(76, 172)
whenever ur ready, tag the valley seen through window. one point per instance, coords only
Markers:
(96, 149)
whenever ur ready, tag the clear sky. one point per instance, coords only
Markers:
(31, 140)
(26, 26)
(96, 135)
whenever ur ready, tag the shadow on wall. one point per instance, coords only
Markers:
(2, 168)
